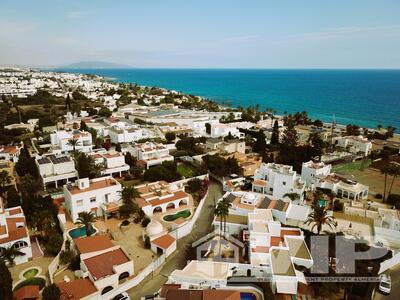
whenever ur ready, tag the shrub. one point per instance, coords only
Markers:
(394, 199)
(338, 205)
(147, 244)
(145, 222)
(66, 256)
(125, 223)
(51, 292)
(378, 196)
(53, 245)
(75, 263)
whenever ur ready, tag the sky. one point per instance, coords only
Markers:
(202, 34)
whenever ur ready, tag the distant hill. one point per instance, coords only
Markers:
(94, 65)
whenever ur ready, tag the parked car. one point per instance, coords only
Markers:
(122, 296)
(385, 284)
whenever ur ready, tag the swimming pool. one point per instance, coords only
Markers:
(80, 232)
(322, 202)
(247, 296)
(180, 214)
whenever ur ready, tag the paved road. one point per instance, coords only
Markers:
(394, 294)
(178, 260)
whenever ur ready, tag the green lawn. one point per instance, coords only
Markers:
(349, 168)
(31, 273)
(186, 170)
(180, 214)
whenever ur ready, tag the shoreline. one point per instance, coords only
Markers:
(228, 103)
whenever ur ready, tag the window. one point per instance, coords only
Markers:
(79, 203)
(107, 197)
(20, 244)
(93, 199)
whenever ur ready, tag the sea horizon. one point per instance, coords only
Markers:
(365, 97)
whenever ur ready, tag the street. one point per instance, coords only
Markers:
(178, 260)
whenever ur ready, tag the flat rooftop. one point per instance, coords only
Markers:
(204, 270)
(281, 263)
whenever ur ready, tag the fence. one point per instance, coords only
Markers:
(137, 279)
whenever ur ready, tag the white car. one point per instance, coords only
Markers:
(122, 296)
(385, 284)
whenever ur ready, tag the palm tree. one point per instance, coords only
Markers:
(8, 254)
(86, 219)
(385, 170)
(29, 185)
(394, 171)
(4, 179)
(318, 217)
(128, 193)
(73, 142)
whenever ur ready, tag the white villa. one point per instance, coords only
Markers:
(151, 154)
(355, 144)
(277, 180)
(100, 196)
(114, 163)
(10, 153)
(160, 196)
(14, 232)
(122, 134)
(60, 141)
(56, 169)
(318, 175)
(103, 267)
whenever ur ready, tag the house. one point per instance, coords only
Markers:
(56, 169)
(164, 244)
(277, 180)
(342, 186)
(14, 232)
(124, 134)
(100, 196)
(113, 162)
(310, 170)
(221, 130)
(170, 291)
(10, 153)
(161, 196)
(151, 154)
(60, 141)
(248, 163)
(228, 146)
(78, 289)
(355, 144)
(178, 130)
(8, 166)
(104, 264)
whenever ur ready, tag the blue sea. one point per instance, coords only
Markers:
(362, 97)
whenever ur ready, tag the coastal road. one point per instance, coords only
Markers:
(178, 260)
(394, 294)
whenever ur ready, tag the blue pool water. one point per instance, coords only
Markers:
(79, 232)
(322, 202)
(247, 296)
(362, 97)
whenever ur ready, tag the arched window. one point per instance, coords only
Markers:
(106, 289)
(20, 244)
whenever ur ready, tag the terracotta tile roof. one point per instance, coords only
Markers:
(166, 287)
(9, 149)
(102, 265)
(76, 289)
(27, 292)
(93, 186)
(164, 242)
(289, 232)
(93, 243)
(15, 211)
(208, 294)
(15, 233)
(184, 295)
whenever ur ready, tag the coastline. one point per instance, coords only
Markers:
(348, 113)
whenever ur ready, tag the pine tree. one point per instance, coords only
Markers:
(289, 139)
(275, 134)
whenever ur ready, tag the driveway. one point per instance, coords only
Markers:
(178, 260)
(394, 294)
